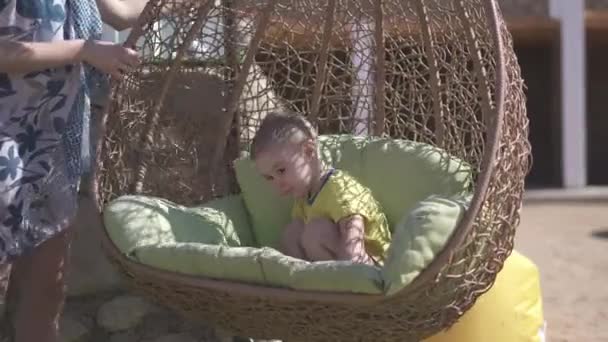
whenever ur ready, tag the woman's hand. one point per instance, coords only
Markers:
(113, 59)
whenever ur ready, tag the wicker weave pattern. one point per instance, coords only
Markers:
(439, 71)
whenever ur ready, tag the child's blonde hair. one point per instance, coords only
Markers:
(282, 127)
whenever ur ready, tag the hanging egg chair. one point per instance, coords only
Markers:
(432, 80)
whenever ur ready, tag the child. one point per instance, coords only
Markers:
(334, 216)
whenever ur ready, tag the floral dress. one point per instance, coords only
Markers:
(44, 119)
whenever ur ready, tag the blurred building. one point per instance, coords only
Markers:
(562, 46)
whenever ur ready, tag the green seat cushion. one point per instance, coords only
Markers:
(419, 237)
(207, 260)
(206, 242)
(420, 187)
(340, 276)
(263, 266)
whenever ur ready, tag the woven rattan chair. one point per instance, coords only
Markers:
(441, 72)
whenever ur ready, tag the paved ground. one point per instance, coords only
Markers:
(568, 240)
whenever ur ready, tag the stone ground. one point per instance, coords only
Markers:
(127, 318)
(123, 317)
(567, 240)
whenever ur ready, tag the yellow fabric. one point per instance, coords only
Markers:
(511, 311)
(342, 196)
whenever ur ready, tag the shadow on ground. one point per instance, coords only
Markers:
(600, 233)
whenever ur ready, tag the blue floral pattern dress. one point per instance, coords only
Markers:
(43, 125)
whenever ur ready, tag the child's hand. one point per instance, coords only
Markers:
(110, 58)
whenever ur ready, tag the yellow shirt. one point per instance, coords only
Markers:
(342, 196)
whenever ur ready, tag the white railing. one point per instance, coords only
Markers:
(571, 14)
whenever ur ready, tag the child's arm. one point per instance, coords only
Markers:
(352, 233)
(25, 57)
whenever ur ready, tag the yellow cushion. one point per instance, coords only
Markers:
(510, 312)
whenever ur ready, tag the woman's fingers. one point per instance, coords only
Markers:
(117, 71)
(131, 58)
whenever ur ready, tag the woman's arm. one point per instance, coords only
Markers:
(121, 14)
(23, 57)
(18, 57)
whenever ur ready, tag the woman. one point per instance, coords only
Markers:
(48, 70)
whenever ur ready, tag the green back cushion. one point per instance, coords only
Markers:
(399, 173)
(419, 236)
(267, 211)
(136, 221)
(402, 173)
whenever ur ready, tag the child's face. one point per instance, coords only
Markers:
(288, 167)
